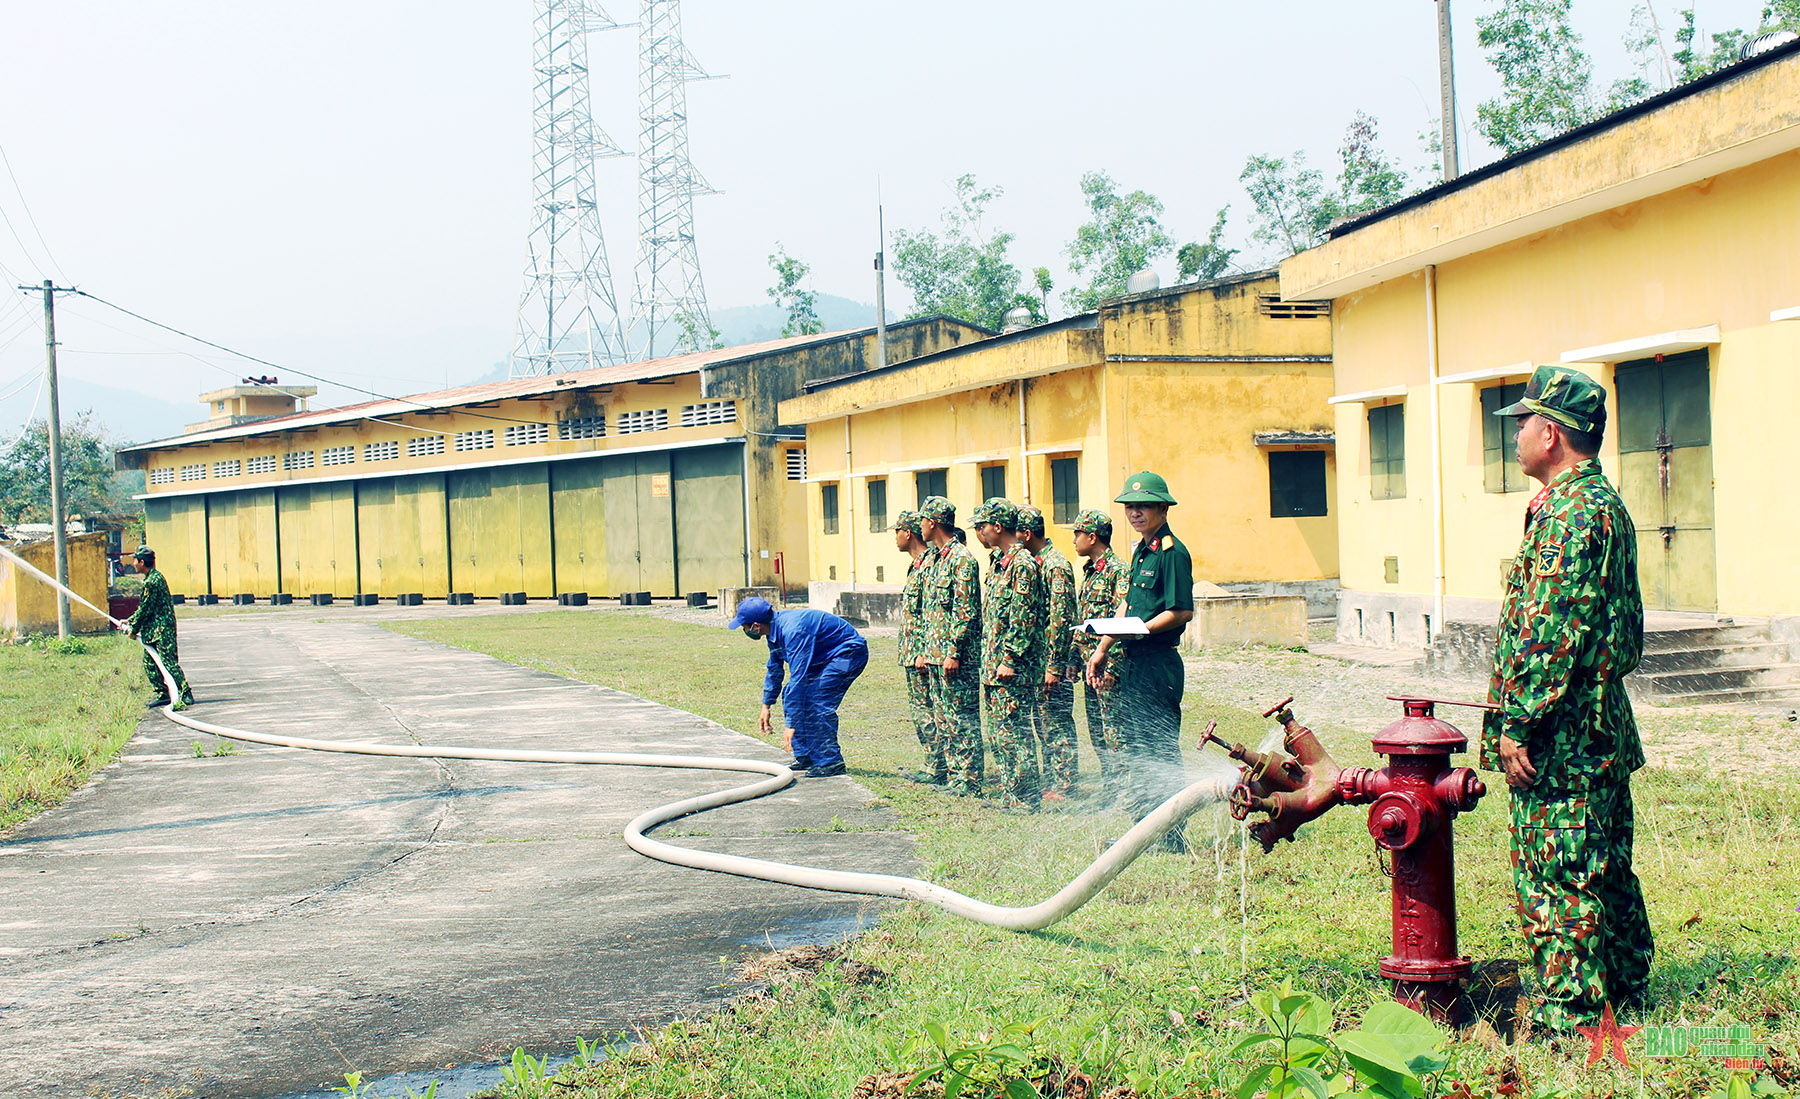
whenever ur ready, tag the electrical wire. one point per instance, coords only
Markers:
(1085, 886)
(30, 417)
(26, 206)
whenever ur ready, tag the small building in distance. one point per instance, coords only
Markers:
(1220, 386)
(670, 476)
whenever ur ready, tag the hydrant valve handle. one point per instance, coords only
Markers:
(1279, 706)
(1429, 702)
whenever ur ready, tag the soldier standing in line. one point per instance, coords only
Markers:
(909, 538)
(951, 646)
(1056, 704)
(1012, 645)
(1104, 580)
(154, 623)
(1571, 628)
(1161, 593)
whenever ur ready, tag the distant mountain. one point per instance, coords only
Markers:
(125, 415)
(754, 323)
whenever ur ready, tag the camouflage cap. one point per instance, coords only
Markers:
(144, 553)
(1094, 521)
(938, 510)
(999, 511)
(1031, 519)
(909, 520)
(1562, 395)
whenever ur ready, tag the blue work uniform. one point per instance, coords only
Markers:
(821, 655)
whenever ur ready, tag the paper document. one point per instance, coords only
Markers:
(1115, 627)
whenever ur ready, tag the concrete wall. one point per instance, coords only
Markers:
(1225, 621)
(28, 605)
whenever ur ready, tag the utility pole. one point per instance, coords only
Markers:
(58, 520)
(1447, 88)
(880, 292)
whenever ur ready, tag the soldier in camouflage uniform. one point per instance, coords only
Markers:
(1571, 627)
(1012, 648)
(909, 538)
(154, 624)
(1104, 582)
(1056, 704)
(950, 645)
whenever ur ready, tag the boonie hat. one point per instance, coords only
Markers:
(999, 511)
(1562, 395)
(1145, 488)
(751, 611)
(909, 521)
(1030, 518)
(1094, 521)
(938, 510)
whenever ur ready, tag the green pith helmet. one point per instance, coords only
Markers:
(144, 553)
(1562, 395)
(999, 511)
(1094, 521)
(1145, 488)
(1030, 519)
(939, 510)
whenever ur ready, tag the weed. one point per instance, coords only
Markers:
(199, 749)
(224, 748)
(526, 1077)
(61, 720)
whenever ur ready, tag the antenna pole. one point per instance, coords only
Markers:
(1447, 88)
(880, 285)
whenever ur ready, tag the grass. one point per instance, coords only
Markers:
(63, 716)
(1148, 984)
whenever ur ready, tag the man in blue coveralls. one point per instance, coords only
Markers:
(822, 655)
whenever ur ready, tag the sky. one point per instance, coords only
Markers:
(343, 187)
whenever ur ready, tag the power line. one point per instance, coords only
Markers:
(29, 417)
(26, 206)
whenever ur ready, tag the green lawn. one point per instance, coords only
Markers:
(1148, 984)
(63, 716)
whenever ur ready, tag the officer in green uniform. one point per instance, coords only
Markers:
(909, 538)
(154, 624)
(1104, 580)
(1571, 627)
(950, 650)
(1162, 594)
(1056, 703)
(1012, 647)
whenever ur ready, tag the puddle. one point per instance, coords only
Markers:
(460, 1082)
(827, 929)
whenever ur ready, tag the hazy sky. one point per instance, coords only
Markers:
(343, 187)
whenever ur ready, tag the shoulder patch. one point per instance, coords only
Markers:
(1549, 560)
(1168, 542)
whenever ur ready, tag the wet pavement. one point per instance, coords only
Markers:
(258, 923)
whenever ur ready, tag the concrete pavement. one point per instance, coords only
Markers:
(259, 923)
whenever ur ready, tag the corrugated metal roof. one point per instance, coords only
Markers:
(541, 385)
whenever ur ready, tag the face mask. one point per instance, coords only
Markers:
(750, 632)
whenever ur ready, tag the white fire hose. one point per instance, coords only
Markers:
(1029, 918)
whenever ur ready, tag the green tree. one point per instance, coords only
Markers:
(1289, 199)
(1209, 260)
(962, 271)
(1120, 238)
(1692, 63)
(91, 487)
(1040, 277)
(692, 336)
(801, 305)
(1546, 78)
(1367, 179)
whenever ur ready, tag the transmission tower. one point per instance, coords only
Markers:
(669, 300)
(568, 318)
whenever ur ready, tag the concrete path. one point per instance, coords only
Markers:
(259, 923)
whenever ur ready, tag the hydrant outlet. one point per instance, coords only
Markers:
(1399, 818)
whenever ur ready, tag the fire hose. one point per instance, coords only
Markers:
(1065, 901)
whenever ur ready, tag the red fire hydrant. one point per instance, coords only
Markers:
(1411, 804)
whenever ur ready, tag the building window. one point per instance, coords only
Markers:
(195, 472)
(381, 452)
(1065, 490)
(527, 434)
(1296, 483)
(877, 506)
(1271, 305)
(931, 482)
(163, 476)
(337, 456)
(993, 482)
(649, 419)
(828, 505)
(796, 463)
(709, 412)
(297, 459)
(262, 464)
(1387, 452)
(230, 467)
(479, 439)
(581, 427)
(1500, 465)
(423, 445)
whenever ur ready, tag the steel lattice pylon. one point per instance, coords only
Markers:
(568, 317)
(669, 300)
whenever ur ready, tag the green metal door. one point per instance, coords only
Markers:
(578, 521)
(240, 532)
(500, 530)
(1666, 478)
(709, 517)
(400, 535)
(317, 528)
(638, 501)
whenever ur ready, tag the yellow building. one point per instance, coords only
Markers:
(1219, 386)
(1655, 250)
(670, 476)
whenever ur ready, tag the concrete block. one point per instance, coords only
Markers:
(1247, 620)
(698, 599)
(572, 598)
(281, 599)
(512, 599)
(871, 607)
(729, 598)
(178, 600)
(409, 599)
(366, 599)
(321, 599)
(243, 599)
(460, 598)
(210, 600)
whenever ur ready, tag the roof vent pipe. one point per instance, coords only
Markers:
(1017, 319)
(1763, 43)
(1143, 282)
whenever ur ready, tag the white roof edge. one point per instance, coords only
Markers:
(1368, 395)
(1791, 314)
(1488, 374)
(1662, 343)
